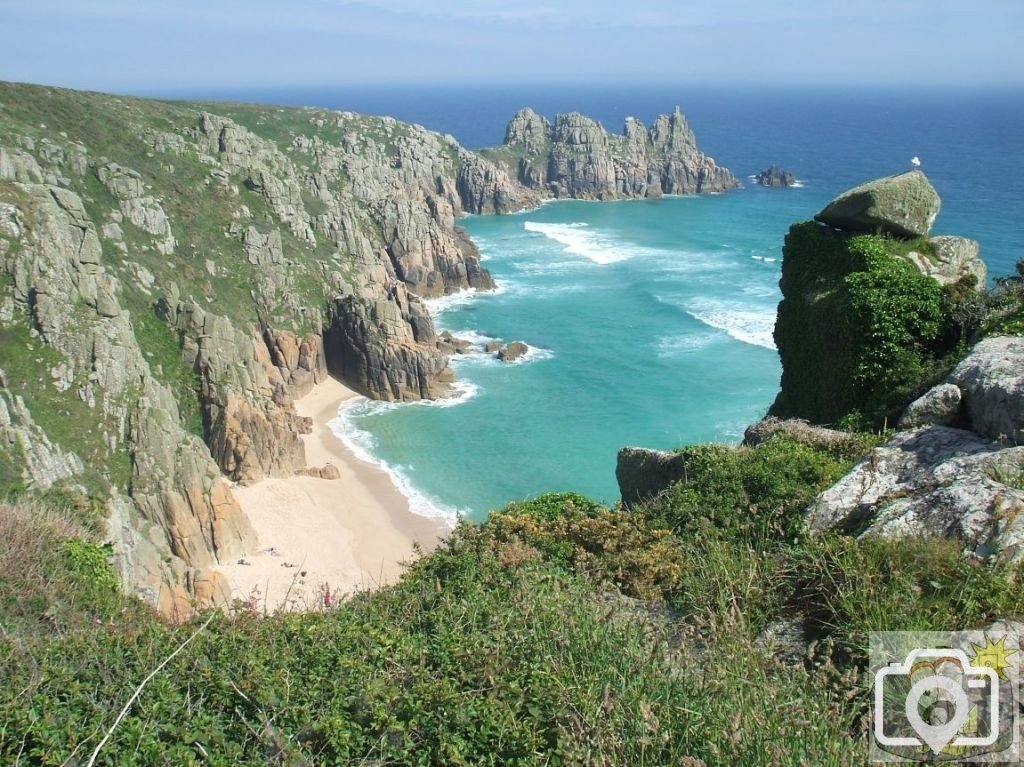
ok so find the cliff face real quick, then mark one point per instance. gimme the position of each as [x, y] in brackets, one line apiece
[575, 157]
[172, 277]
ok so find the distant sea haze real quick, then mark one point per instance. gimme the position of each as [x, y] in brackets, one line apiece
[651, 321]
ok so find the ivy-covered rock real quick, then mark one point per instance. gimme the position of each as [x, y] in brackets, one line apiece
[860, 329]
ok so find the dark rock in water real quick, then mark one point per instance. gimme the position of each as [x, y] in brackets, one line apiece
[774, 176]
[642, 473]
[904, 205]
[492, 347]
[513, 351]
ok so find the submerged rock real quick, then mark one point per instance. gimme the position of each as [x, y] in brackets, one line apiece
[904, 205]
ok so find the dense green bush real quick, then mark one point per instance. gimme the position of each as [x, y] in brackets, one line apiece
[754, 494]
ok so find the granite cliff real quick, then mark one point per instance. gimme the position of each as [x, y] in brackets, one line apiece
[173, 276]
[576, 157]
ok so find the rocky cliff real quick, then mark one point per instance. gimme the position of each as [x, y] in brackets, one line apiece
[576, 157]
[173, 276]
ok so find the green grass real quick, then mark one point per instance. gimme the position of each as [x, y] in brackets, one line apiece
[559, 632]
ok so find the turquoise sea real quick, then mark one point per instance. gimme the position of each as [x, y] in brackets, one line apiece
[650, 321]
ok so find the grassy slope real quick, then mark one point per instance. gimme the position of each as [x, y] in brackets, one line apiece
[560, 632]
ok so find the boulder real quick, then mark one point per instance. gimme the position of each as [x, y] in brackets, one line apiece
[992, 380]
[513, 351]
[952, 259]
[643, 474]
[939, 406]
[774, 176]
[904, 205]
[492, 347]
[934, 481]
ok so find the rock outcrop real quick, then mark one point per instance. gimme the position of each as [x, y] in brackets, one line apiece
[643, 473]
[837, 279]
[774, 176]
[991, 378]
[513, 351]
[575, 157]
[904, 205]
[933, 481]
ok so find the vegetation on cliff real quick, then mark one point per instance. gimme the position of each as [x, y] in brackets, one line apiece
[559, 632]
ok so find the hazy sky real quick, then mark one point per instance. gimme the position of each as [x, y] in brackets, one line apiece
[153, 44]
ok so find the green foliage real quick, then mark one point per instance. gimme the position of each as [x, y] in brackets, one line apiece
[860, 330]
[755, 494]
[1004, 307]
[848, 587]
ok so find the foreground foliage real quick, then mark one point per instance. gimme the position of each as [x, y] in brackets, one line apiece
[560, 632]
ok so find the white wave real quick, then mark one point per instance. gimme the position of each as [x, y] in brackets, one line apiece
[761, 291]
[362, 443]
[580, 241]
[798, 184]
[688, 343]
[441, 304]
[751, 326]
[770, 260]
[758, 258]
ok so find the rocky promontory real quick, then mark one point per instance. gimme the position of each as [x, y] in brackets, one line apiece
[576, 157]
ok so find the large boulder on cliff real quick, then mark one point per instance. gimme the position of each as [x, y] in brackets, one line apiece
[991, 378]
[933, 481]
[904, 205]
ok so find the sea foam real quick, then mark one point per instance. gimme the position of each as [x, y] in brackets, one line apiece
[362, 444]
[579, 240]
[746, 324]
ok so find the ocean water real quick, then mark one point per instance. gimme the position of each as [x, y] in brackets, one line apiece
[650, 322]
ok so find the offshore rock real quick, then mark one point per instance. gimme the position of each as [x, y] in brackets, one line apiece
[575, 157]
[774, 176]
[905, 205]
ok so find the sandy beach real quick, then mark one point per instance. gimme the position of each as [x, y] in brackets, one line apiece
[344, 534]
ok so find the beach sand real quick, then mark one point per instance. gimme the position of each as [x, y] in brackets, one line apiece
[345, 534]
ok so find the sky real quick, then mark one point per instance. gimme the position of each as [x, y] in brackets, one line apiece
[149, 45]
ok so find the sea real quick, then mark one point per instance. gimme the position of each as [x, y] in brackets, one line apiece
[650, 322]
